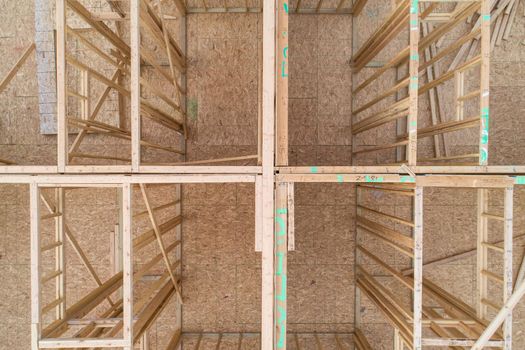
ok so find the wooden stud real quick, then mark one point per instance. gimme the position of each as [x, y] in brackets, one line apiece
[281, 257]
[62, 130]
[418, 268]
[36, 293]
[268, 119]
[135, 85]
[291, 216]
[281, 157]
[507, 263]
[258, 213]
[127, 268]
[484, 82]
[482, 236]
[413, 86]
[60, 264]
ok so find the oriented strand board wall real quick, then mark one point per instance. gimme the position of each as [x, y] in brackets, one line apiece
[321, 269]
[222, 102]
[320, 90]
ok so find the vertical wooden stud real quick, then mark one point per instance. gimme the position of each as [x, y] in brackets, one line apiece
[127, 266]
[282, 84]
[291, 216]
[281, 253]
[484, 83]
[418, 268]
[507, 263]
[413, 84]
[482, 207]
[268, 144]
[36, 315]
[258, 213]
[62, 132]
[135, 84]
[60, 292]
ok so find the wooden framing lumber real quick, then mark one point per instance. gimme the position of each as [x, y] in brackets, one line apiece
[36, 293]
[12, 72]
[158, 235]
[418, 268]
[268, 150]
[135, 85]
[281, 266]
[502, 315]
[282, 84]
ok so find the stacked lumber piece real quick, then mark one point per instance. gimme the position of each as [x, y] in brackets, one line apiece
[503, 14]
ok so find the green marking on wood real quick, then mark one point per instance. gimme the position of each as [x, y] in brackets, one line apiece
[193, 108]
[373, 178]
[520, 180]
[484, 125]
[281, 321]
[407, 179]
[282, 211]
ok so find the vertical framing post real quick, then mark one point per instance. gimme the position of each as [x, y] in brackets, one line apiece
[418, 267]
[291, 215]
[357, 262]
[258, 213]
[507, 264]
[484, 83]
[482, 252]
[62, 132]
[268, 143]
[135, 84]
[259, 102]
[413, 87]
[60, 253]
[84, 91]
[178, 251]
[127, 266]
[183, 76]
[281, 253]
[36, 315]
[282, 84]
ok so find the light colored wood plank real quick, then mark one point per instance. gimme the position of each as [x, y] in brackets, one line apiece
[135, 85]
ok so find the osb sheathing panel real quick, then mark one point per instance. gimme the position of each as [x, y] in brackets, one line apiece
[221, 271]
[223, 63]
[319, 90]
[323, 259]
[20, 139]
